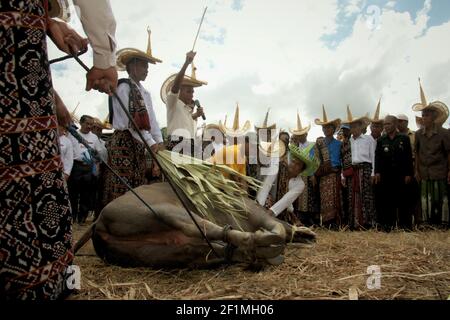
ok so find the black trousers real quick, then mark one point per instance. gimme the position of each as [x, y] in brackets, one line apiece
[394, 203]
[82, 191]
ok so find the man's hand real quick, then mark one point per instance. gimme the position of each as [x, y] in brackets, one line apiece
[161, 147]
[344, 184]
[373, 180]
[418, 177]
[408, 179]
[155, 148]
[103, 80]
[65, 38]
[377, 178]
[198, 114]
[190, 57]
[156, 171]
[66, 177]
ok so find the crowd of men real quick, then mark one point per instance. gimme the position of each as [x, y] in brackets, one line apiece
[52, 174]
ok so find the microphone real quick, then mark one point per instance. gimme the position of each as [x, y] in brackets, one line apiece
[197, 103]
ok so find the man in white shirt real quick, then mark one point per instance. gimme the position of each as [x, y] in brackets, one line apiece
[178, 94]
[362, 207]
[126, 150]
[303, 163]
[82, 180]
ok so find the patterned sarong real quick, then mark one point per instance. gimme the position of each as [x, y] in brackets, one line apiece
[35, 216]
[362, 206]
[126, 156]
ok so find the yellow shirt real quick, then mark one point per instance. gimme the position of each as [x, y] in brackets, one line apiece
[231, 156]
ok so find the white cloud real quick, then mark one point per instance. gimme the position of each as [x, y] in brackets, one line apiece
[272, 56]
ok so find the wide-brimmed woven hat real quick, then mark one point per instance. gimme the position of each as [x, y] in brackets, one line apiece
[126, 54]
[307, 156]
[438, 106]
[265, 123]
[324, 121]
[275, 149]
[187, 81]
[300, 130]
[236, 130]
[376, 117]
[350, 119]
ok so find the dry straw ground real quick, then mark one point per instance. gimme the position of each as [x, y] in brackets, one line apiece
[414, 265]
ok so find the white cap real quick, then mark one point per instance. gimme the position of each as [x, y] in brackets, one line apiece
[403, 117]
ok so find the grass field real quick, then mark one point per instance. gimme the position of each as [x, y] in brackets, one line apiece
[414, 265]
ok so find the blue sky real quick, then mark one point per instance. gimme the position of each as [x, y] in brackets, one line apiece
[439, 14]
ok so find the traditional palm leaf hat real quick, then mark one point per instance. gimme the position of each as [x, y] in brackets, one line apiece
[126, 54]
[300, 130]
[350, 119]
[187, 81]
[376, 118]
[265, 123]
[324, 121]
[236, 130]
[274, 149]
[307, 156]
[440, 107]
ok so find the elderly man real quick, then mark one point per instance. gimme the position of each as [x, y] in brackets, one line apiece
[394, 172]
[362, 206]
[433, 164]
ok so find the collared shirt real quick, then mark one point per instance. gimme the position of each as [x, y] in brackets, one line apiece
[67, 154]
[393, 156]
[432, 153]
[179, 118]
[121, 121]
[100, 26]
[363, 150]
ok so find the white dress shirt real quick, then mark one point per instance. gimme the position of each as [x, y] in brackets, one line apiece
[121, 121]
[67, 154]
[179, 118]
[99, 24]
[363, 150]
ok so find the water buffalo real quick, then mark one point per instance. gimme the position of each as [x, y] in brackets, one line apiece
[128, 234]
